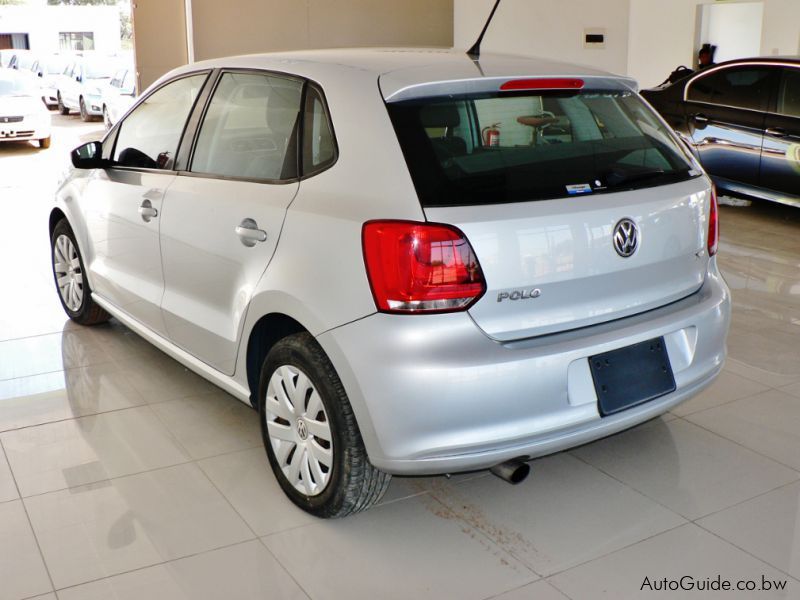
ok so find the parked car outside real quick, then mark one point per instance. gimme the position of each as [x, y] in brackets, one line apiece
[22, 60]
[742, 118]
[80, 85]
[49, 69]
[5, 57]
[335, 238]
[119, 95]
[22, 114]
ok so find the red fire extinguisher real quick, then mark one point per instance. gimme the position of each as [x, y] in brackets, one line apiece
[491, 135]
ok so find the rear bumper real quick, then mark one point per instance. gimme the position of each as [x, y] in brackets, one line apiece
[433, 394]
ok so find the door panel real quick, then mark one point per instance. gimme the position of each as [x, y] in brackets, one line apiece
[726, 114]
[222, 223]
[126, 269]
[780, 162]
[210, 273]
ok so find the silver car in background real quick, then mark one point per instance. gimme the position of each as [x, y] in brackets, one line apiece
[119, 95]
[409, 262]
[48, 69]
[80, 86]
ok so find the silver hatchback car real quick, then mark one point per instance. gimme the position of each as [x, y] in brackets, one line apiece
[409, 262]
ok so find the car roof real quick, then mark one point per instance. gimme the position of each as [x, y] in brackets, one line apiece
[400, 68]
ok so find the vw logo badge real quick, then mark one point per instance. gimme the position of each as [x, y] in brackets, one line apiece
[626, 238]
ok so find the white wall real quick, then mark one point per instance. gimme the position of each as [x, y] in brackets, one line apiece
[781, 28]
[734, 28]
[44, 23]
[548, 28]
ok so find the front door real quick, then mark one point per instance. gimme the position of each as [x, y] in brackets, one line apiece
[223, 218]
[124, 204]
[726, 110]
[780, 161]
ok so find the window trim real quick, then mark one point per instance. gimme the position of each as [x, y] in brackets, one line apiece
[302, 134]
[709, 71]
[777, 113]
[114, 131]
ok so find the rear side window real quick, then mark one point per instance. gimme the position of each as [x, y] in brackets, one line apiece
[495, 148]
[250, 128]
[319, 145]
[739, 87]
[149, 136]
[789, 96]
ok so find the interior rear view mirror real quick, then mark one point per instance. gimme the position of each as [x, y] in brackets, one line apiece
[89, 156]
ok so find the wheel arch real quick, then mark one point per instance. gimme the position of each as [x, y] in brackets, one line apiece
[267, 331]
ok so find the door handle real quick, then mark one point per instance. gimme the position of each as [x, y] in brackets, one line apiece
[700, 119]
[249, 233]
[776, 132]
[147, 211]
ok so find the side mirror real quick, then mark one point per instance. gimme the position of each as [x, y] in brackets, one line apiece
[78, 78]
[89, 156]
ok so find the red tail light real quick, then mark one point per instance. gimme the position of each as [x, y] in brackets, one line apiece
[713, 224]
[562, 83]
[420, 267]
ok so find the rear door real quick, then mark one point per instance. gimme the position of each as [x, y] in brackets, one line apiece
[780, 161]
[549, 202]
[224, 215]
[123, 205]
[726, 112]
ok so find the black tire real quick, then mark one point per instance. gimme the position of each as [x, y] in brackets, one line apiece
[44, 142]
[87, 313]
[61, 108]
[354, 484]
[85, 116]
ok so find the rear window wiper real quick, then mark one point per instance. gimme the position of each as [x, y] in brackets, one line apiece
[617, 176]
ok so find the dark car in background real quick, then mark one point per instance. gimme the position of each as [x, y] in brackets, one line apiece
[742, 118]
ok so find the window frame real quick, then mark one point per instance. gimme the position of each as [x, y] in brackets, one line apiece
[302, 134]
[199, 117]
[775, 65]
[774, 106]
[113, 134]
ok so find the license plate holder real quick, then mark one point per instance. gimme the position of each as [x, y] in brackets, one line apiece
[632, 375]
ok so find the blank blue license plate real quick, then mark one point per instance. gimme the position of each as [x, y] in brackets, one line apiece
[631, 376]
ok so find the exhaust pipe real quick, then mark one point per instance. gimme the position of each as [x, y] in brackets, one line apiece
[512, 471]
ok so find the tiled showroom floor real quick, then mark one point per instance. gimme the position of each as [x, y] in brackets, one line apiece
[123, 475]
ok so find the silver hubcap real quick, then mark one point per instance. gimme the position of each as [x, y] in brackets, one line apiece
[69, 276]
[299, 430]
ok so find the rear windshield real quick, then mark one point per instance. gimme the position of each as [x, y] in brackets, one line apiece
[495, 148]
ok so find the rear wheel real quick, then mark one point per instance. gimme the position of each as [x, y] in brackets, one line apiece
[69, 274]
[44, 142]
[85, 116]
[61, 108]
[310, 432]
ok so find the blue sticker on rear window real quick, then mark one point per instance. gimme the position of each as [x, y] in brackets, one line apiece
[581, 188]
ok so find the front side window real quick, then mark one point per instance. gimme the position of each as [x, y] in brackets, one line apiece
[319, 146]
[789, 94]
[249, 128]
[739, 87]
[149, 136]
[493, 148]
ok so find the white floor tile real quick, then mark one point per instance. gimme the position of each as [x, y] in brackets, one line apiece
[8, 489]
[89, 449]
[565, 513]
[108, 528]
[769, 423]
[245, 571]
[211, 424]
[767, 527]
[413, 548]
[684, 467]
[538, 590]
[684, 552]
[22, 572]
[728, 387]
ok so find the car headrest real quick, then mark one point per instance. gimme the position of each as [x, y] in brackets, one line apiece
[440, 115]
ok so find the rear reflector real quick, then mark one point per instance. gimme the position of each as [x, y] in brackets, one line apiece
[713, 224]
[517, 85]
[420, 267]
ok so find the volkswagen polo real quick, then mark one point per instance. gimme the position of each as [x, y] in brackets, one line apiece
[409, 262]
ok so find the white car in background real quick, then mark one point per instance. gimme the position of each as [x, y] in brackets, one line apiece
[48, 70]
[337, 239]
[22, 114]
[80, 86]
[119, 95]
